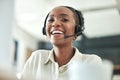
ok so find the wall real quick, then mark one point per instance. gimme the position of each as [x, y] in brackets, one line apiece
[6, 16]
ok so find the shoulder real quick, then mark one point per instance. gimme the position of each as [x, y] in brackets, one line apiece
[37, 57]
[39, 54]
[91, 58]
[87, 58]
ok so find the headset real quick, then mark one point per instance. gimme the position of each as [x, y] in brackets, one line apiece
[79, 24]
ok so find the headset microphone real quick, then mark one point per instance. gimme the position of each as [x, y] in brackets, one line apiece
[68, 36]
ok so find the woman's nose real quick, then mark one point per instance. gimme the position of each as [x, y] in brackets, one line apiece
[56, 23]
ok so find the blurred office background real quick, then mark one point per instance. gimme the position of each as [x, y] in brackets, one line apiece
[21, 23]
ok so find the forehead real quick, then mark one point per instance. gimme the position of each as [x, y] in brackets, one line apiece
[61, 10]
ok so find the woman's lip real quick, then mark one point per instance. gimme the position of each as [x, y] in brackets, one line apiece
[57, 35]
[56, 32]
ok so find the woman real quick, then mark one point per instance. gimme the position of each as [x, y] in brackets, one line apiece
[62, 26]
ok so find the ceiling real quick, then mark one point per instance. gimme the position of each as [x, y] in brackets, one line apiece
[101, 16]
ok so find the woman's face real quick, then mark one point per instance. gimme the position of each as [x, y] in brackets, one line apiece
[60, 23]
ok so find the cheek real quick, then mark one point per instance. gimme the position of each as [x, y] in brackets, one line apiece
[72, 25]
[72, 29]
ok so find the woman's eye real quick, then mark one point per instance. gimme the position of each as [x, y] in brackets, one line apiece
[50, 20]
[64, 20]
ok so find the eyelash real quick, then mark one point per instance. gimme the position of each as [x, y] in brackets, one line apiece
[50, 20]
[62, 19]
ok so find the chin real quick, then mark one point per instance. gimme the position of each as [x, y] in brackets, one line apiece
[57, 43]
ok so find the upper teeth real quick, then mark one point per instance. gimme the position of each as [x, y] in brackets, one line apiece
[57, 32]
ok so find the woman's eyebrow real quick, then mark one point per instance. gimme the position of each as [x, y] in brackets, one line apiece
[62, 14]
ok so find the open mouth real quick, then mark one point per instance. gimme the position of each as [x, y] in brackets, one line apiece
[56, 32]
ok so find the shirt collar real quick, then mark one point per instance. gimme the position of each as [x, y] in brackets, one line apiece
[50, 57]
[77, 56]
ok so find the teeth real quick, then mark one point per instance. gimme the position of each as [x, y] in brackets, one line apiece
[57, 32]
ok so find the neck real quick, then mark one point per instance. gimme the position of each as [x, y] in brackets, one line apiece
[62, 55]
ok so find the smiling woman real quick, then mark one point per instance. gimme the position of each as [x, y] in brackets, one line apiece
[62, 26]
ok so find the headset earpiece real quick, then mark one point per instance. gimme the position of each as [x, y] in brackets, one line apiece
[80, 24]
[78, 30]
[43, 30]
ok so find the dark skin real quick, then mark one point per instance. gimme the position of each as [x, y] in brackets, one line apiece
[61, 21]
